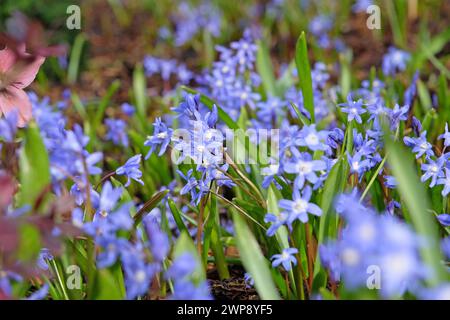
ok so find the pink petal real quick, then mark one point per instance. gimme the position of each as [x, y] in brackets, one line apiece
[24, 72]
[13, 98]
[7, 59]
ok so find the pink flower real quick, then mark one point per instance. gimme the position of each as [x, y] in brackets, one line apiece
[17, 73]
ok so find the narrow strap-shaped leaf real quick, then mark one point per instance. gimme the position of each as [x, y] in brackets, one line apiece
[304, 74]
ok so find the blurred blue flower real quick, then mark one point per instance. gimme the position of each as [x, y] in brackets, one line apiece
[131, 170]
[395, 60]
[128, 109]
[117, 132]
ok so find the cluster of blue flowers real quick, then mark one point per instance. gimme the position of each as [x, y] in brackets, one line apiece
[199, 142]
[190, 21]
[166, 68]
[142, 257]
[380, 244]
[232, 81]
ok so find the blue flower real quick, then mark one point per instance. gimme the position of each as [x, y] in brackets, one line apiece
[320, 25]
[183, 266]
[112, 248]
[441, 292]
[398, 114]
[276, 222]
[138, 274]
[390, 182]
[161, 137]
[158, 240]
[444, 219]
[249, 281]
[270, 110]
[245, 53]
[433, 170]
[299, 206]
[128, 109]
[44, 256]
[39, 294]
[151, 65]
[419, 145]
[377, 110]
[286, 258]
[186, 290]
[313, 139]
[445, 245]
[361, 5]
[395, 60]
[445, 136]
[305, 168]
[357, 165]
[329, 256]
[353, 108]
[117, 132]
[131, 170]
[109, 198]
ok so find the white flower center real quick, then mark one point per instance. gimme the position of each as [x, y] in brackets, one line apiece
[273, 168]
[355, 165]
[397, 57]
[244, 96]
[312, 139]
[354, 110]
[285, 255]
[304, 167]
[162, 135]
[300, 206]
[424, 146]
[434, 168]
[208, 135]
[367, 232]
[350, 257]
[140, 276]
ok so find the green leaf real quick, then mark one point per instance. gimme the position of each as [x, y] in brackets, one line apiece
[304, 74]
[107, 287]
[75, 59]
[100, 111]
[417, 204]
[328, 221]
[303, 120]
[30, 243]
[177, 216]
[253, 260]
[140, 94]
[264, 68]
[34, 167]
[212, 236]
